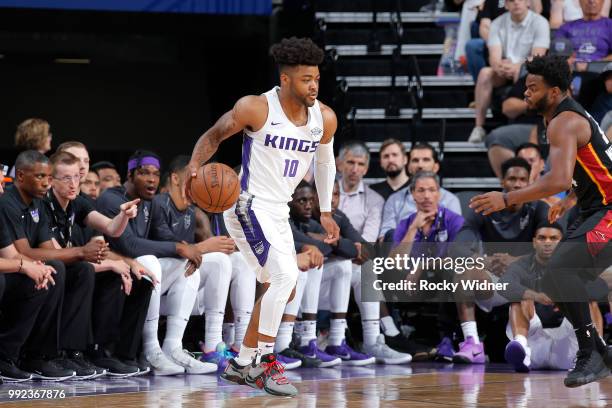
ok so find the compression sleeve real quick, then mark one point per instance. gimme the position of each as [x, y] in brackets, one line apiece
[324, 174]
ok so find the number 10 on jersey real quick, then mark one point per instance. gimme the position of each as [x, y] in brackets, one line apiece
[290, 168]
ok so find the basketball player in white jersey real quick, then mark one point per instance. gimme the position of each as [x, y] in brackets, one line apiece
[283, 130]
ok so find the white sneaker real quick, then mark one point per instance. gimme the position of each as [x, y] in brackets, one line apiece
[191, 365]
[478, 135]
[385, 354]
[162, 365]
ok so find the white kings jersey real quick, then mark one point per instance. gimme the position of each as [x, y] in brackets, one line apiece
[277, 156]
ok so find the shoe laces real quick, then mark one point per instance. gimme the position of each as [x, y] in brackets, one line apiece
[187, 357]
[275, 370]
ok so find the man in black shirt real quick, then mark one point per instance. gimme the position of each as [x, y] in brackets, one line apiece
[393, 161]
[90, 299]
[180, 283]
[540, 336]
[25, 225]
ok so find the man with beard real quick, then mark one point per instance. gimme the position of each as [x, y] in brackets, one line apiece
[393, 161]
[579, 157]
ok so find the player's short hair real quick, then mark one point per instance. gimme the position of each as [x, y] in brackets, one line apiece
[31, 133]
[546, 224]
[142, 158]
[426, 146]
[391, 141]
[554, 69]
[420, 175]
[356, 148]
[178, 164]
[27, 159]
[296, 51]
[72, 143]
[62, 157]
[102, 165]
[528, 145]
[515, 162]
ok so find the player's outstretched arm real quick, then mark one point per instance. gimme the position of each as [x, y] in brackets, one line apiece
[563, 134]
[325, 173]
[249, 112]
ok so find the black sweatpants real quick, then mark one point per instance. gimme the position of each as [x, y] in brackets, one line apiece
[43, 339]
[75, 328]
[578, 259]
[118, 319]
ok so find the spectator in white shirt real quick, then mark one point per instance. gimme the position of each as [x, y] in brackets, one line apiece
[514, 36]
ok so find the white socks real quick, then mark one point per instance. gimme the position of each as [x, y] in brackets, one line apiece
[371, 330]
[241, 322]
[246, 355]
[388, 326]
[521, 339]
[149, 336]
[213, 335]
[307, 329]
[283, 337]
[336, 331]
[470, 329]
[175, 328]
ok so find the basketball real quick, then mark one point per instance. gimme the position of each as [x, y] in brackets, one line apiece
[215, 188]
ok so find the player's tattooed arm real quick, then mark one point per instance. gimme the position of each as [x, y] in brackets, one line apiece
[249, 112]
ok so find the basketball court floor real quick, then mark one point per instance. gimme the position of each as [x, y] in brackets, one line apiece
[420, 385]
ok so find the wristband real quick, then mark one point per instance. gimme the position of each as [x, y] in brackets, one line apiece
[505, 197]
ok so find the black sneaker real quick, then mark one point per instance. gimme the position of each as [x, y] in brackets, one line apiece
[10, 373]
[589, 367]
[418, 351]
[79, 359]
[307, 362]
[82, 372]
[143, 365]
[114, 367]
[45, 369]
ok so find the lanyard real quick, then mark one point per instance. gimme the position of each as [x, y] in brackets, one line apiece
[69, 220]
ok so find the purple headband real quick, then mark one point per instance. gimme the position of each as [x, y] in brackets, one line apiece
[143, 161]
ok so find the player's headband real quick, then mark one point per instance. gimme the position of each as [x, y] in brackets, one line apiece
[143, 161]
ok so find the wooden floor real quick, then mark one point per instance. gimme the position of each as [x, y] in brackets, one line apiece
[423, 386]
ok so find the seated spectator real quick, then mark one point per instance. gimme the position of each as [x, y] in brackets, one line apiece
[107, 172]
[517, 224]
[514, 36]
[174, 220]
[564, 11]
[422, 157]
[540, 337]
[393, 161]
[83, 307]
[525, 126]
[91, 185]
[359, 202]
[431, 223]
[33, 134]
[172, 263]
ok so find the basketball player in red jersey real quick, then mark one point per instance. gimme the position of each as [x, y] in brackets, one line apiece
[581, 159]
[283, 129]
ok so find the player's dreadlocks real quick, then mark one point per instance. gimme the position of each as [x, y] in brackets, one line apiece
[296, 51]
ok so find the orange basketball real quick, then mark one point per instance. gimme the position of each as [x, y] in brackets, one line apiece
[215, 188]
